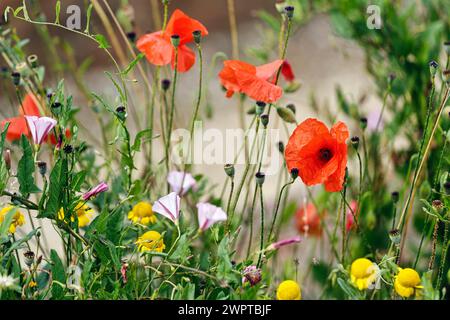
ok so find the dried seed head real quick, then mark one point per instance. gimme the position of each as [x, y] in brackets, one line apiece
[165, 84]
[260, 106]
[29, 258]
[395, 236]
[437, 205]
[16, 78]
[355, 142]
[265, 120]
[197, 34]
[294, 173]
[260, 178]
[289, 10]
[33, 61]
[175, 40]
[229, 170]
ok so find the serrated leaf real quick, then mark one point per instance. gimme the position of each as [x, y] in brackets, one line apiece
[25, 169]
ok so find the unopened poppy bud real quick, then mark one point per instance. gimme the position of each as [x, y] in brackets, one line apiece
[121, 113]
[29, 258]
[438, 206]
[165, 84]
[197, 34]
[395, 196]
[447, 47]
[265, 120]
[131, 36]
[286, 114]
[294, 173]
[229, 170]
[260, 107]
[68, 149]
[363, 123]
[16, 78]
[289, 10]
[433, 68]
[4, 71]
[33, 61]
[7, 158]
[355, 142]
[175, 40]
[292, 108]
[281, 147]
[395, 236]
[42, 166]
[260, 178]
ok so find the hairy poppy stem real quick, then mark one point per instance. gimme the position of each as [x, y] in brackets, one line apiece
[275, 214]
[261, 245]
[443, 256]
[252, 210]
[233, 29]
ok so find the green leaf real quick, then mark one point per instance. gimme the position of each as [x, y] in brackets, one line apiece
[139, 137]
[133, 64]
[58, 275]
[88, 18]
[182, 249]
[57, 11]
[102, 42]
[17, 245]
[25, 170]
[58, 182]
[114, 226]
[3, 170]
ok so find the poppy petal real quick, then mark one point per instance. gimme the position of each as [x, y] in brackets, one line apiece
[287, 72]
[231, 72]
[17, 127]
[183, 26]
[266, 71]
[260, 90]
[335, 182]
[340, 132]
[29, 106]
[186, 58]
[156, 48]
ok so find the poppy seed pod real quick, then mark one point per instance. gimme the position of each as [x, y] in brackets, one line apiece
[229, 170]
[131, 36]
[260, 106]
[175, 40]
[68, 149]
[260, 178]
[433, 67]
[33, 61]
[197, 34]
[42, 166]
[16, 78]
[289, 10]
[7, 158]
[281, 147]
[165, 84]
[56, 105]
[355, 142]
[294, 173]
[395, 236]
[29, 258]
[121, 113]
[265, 120]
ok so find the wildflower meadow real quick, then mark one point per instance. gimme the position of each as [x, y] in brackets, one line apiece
[179, 156]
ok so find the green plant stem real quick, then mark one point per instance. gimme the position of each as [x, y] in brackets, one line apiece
[277, 207]
[443, 256]
[251, 215]
[261, 245]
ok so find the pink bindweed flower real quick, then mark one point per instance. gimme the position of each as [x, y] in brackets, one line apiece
[180, 182]
[282, 243]
[40, 127]
[168, 206]
[209, 214]
[102, 187]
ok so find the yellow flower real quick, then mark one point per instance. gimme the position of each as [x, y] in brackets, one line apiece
[363, 273]
[151, 241]
[289, 290]
[142, 213]
[32, 284]
[17, 221]
[83, 212]
[406, 282]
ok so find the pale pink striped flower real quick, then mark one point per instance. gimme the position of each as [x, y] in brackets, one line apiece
[102, 187]
[180, 182]
[168, 206]
[209, 214]
[40, 127]
[282, 243]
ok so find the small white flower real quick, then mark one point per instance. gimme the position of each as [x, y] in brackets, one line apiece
[209, 214]
[180, 182]
[7, 282]
[168, 206]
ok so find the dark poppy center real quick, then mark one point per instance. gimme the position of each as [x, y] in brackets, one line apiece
[325, 154]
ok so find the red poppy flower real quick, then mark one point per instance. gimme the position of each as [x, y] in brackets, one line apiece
[241, 77]
[287, 72]
[308, 220]
[158, 48]
[319, 154]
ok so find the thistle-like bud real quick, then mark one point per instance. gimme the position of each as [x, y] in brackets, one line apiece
[29, 258]
[7, 158]
[355, 142]
[260, 178]
[175, 40]
[395, 236]
[438, 206]
[42, 166]
[260, 107]
[16, 78]
[289, 10]
[433, 68]
[197, 34]
[165, 84]
[395, 196]
[265, 120]
[229, 170]
[292, 107]
[294, 173]
[33, 61]
[363, 123]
